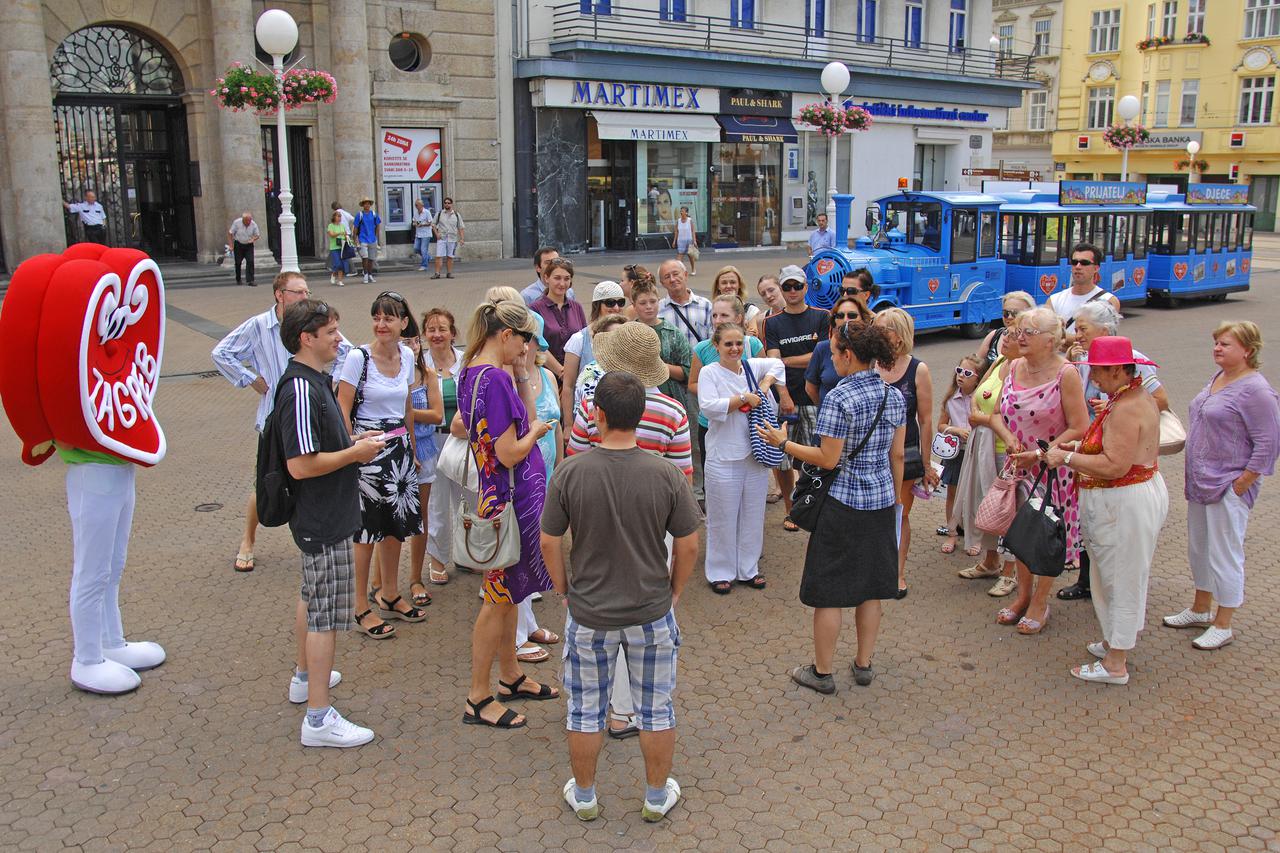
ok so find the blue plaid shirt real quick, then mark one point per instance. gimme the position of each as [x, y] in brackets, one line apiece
[865, 482]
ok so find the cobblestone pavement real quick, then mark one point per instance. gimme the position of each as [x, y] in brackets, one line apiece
[971, 736]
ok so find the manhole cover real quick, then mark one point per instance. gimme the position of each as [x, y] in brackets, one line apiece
[208, 507]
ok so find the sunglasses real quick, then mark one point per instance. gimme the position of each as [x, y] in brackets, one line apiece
[1027, 333]
[1081, 262]
[319, 311]
[850, 291]
[629, 267]
[528, 336]
[391, 294]
[846, 315]
[965, 372]
[614, 303]
[1009, 315]
[793, 286]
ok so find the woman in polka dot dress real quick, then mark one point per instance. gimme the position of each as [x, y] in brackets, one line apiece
[1042, 398]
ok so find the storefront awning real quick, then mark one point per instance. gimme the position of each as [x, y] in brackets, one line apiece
[757, 129]
[657, 127]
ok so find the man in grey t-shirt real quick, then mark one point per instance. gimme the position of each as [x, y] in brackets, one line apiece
[621, 501]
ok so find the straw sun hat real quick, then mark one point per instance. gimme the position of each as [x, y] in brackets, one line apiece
[635, 348]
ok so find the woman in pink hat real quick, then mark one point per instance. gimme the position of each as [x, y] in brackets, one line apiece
[1123, 502]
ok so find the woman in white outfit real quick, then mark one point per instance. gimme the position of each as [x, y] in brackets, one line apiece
[685, 237]
[439, 331]
[736, 483]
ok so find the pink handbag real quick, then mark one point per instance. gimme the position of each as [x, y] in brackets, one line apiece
[1000, 504]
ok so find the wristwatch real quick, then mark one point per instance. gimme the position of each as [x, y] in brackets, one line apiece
[1066, 460]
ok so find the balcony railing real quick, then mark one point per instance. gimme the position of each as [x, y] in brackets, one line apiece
[630, 25]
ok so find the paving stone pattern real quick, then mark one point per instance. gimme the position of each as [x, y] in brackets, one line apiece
[971, 737]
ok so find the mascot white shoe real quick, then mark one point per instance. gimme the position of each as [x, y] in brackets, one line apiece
[81, 335]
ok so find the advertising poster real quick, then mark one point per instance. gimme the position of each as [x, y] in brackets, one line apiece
[411, 154]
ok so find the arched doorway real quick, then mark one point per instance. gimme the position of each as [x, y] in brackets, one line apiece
[122, 132]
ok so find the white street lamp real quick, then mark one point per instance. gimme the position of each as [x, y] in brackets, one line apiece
[277, 33]
[835, 79]
[1193, 148]
[1127, 109]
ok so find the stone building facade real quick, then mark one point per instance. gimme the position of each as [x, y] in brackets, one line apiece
[113, 95]
[1031, 27]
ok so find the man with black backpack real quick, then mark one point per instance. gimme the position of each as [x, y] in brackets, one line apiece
[321, 461]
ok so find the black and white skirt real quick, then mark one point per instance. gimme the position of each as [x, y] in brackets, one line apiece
[388, 489]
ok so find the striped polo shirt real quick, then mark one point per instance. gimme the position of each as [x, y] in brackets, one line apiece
[663, 429]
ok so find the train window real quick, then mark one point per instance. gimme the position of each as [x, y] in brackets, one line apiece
[1248, 232]
[1077, 231]
[1199, 239]
[1180, 233]
[1120, 223]
[989, 234]
[1050, 239]
[1224, 231]
[964, 236]
[1011, 237]
[1140, 225]
[1098, 230]
[1237, 227]
[1213, 223]
[923, 222]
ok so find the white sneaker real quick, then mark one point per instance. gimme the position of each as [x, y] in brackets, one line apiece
[1004, 586]
[137, 656]
[373, 279]
[333, 279]
[653, 813]
[1189, 619]
[107, 677]
[1214, 638]
[336, 731]
[585, 810]
[367, 278]
[298, 688]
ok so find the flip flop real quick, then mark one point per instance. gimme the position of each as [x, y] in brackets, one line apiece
[439, 577]
[532, 654]
[548, 638]
[1098, 673]
[419, 599]
[243, 563]
[721, 587]
[757, 582]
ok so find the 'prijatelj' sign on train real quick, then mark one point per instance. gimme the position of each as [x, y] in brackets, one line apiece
[1101, 192]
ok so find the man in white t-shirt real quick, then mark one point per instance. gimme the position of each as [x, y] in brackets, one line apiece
[1086, 271]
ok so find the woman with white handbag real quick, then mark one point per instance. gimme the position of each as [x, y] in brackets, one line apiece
[501, 535]
[439, 331]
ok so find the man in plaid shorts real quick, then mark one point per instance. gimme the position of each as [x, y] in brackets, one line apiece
[322, 460]
[621, 501]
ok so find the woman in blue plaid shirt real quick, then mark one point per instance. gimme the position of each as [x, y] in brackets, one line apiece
[852, 560]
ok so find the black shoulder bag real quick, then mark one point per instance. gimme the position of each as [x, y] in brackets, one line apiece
[1038, 536]
[810, 494]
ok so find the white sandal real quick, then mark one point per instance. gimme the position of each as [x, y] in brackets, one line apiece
[1098, 673]
[1098, 650]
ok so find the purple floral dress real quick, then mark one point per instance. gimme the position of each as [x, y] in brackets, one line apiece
[1037, 413]
[496, 408]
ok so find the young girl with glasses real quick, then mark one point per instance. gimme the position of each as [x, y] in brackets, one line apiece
[953, 419]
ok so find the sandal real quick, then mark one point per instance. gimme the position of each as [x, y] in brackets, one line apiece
[373, 596]
[949, 548]
[771, 498]
[545, 691]
[506, 721]
[1027, 627]
[973, 551]
[1002, 587]
[943, 531]
[378, 632]
[1075, 592]
[789, 525]
[389, 611]
[243, 563]
[1097, 672]
[977, 571]
[419, 599]
[757, 582]
[439, 577]
[721, 587]
[548, 638]
[627, 731]
[532, 653]
[1009, 616]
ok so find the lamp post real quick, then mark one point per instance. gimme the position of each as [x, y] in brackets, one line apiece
[277, 33]
[1127, 109]
[1193, 148]
[835, 79]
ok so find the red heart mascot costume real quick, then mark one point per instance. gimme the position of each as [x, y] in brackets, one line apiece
[81, 335]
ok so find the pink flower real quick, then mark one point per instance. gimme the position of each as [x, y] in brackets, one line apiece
[244, 89]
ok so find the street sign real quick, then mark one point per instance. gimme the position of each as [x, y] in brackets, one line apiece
[1002, 174]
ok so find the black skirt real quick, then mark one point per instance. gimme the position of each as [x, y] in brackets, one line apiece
[951, 469]
[852, 557]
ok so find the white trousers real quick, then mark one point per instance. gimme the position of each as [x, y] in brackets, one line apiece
[1215, 547]
[441, 506]
[736, 494]
[1120, 527]
[100, 502]
[526, 622]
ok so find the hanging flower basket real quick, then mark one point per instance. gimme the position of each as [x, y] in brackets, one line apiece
[243, 88]
[1153, 42]
[308, 86]
[1197, 165]
[856, 118]
[827, 117]
[1121, 137]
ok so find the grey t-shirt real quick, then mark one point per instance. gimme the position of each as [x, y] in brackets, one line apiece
[621, 504]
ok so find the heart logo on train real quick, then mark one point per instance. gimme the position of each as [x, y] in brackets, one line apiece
[87, 330]
[1138, 275]
[428, 159]
[1180, 270]
[1244, 264]
[1048, 283]
[824, 266]
[934, 284]
[1215, 266]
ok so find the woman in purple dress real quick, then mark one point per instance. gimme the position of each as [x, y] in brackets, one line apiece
[495, 412]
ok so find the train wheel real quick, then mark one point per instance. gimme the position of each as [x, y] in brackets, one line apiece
[1218, 297]
[974, 331]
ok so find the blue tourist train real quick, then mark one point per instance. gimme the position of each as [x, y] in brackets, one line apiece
[949, 257]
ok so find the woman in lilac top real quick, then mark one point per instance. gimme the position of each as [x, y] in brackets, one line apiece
[562, 316]
[1233, 439]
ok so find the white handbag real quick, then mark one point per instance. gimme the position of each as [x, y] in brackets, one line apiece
[454, 463]
[1173, 436]
[484, 544]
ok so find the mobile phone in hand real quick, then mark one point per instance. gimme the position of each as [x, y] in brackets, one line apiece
[395, 433]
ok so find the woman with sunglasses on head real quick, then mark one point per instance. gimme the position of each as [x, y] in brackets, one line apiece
[1013, 304]
[821, 376]
[606, 300]
[439, 331]
[494, 413]
[373, 391]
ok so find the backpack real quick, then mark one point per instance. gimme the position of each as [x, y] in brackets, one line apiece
[273, 487]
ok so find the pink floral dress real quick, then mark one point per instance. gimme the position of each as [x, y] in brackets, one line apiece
[1037, 413]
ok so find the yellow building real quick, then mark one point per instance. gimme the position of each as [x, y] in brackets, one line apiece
[1203, 72]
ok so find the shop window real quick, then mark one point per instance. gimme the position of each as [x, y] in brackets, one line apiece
[677, 173]
[989, 234]
[964, 236]
[410, 52]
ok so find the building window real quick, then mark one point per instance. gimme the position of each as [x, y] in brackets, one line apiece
[675, 10]
[1190, 96]
[867, 20]
[742, 14]
[1151, 20]
[1102, 103]
[958, 29]
[818, 24]
[1195, 16]
[1104, 31]
[1006, 40]
[1256, 94]
[913, 27]
[1043, 29]
[1261, 18]
[410, 52]
[1169, 19]
[1162, 103]
[595, 7]
[1037, 109]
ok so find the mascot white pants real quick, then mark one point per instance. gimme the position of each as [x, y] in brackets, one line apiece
[100, 500]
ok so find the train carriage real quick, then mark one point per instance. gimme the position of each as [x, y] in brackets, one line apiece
[1201, 242]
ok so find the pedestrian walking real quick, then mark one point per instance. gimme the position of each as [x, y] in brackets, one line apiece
[684, 239]
[422, 221]
[347, 221]
[92, 215]
[339, 238]
[367, 227]
[242, 235]
[451, 234]
[254, 356]
[621, 503]
[322, 460]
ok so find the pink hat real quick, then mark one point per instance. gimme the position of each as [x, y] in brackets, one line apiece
[1109, 351]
